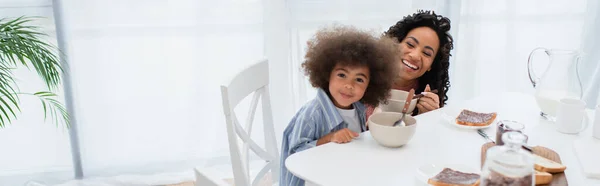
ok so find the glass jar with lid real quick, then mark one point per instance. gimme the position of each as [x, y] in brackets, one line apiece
[509, 164]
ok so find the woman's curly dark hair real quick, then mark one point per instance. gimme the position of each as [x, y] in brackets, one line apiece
[437, 77]
[349, 46]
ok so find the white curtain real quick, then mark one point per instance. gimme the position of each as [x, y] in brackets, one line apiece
[591, 45]
[496, 37]
[146, 73]
[147, 76]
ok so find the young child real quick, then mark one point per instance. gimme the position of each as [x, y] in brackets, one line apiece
[349, 68]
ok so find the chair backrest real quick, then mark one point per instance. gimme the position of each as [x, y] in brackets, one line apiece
[254, 79]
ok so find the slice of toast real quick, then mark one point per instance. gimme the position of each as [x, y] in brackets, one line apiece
[472, 118]
[449, 177]
[545, 165]
[542, 178]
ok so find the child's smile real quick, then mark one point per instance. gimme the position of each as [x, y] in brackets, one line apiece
[346, 96]
[347, 85]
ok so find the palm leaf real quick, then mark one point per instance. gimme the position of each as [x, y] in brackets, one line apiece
[21, 45]
[49, 101]
[9, 99]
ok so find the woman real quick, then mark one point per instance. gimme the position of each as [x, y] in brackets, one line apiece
[425, 45]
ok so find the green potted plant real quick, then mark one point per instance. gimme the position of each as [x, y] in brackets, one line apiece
[22, 46]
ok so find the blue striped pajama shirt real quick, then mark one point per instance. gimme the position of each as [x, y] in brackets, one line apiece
[314, 120]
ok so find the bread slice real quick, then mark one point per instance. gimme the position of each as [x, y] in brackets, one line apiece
[449, 177]
[542, 178]
[545, 165]
[471, 118]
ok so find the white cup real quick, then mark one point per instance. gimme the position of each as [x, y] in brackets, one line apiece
[596, 131]
[569, 116]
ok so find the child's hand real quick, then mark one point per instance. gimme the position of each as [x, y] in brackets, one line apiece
[343, 136]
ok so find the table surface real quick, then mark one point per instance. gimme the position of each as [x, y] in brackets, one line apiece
[436, 141]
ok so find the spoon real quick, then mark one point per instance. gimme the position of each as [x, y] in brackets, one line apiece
[406, 104]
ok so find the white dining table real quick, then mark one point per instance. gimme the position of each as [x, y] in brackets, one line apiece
[364, 162]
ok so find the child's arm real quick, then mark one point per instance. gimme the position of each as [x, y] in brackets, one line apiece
[303, 136]
[325, 139]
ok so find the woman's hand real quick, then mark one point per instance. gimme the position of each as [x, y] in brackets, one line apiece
[429, 102]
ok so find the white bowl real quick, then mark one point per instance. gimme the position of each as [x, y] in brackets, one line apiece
[396, 102]
[380, 126]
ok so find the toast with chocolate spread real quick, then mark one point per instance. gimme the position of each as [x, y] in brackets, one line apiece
[472, 118]
[449, 177]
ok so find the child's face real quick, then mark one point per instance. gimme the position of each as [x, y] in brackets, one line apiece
[348, 84]
[418, 49]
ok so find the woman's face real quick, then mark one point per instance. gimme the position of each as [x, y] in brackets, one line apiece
[418, 49]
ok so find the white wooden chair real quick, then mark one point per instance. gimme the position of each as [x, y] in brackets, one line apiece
[252, 80]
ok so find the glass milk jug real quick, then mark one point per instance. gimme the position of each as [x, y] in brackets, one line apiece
[509, 164]
[559, 80]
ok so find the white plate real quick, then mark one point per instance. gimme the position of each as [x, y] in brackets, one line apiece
[430, 170]
[450, 113]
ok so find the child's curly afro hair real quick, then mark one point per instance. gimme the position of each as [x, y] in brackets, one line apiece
[349, 46]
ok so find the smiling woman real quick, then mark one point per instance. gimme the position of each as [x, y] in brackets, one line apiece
[418, 50]
[425, 45]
